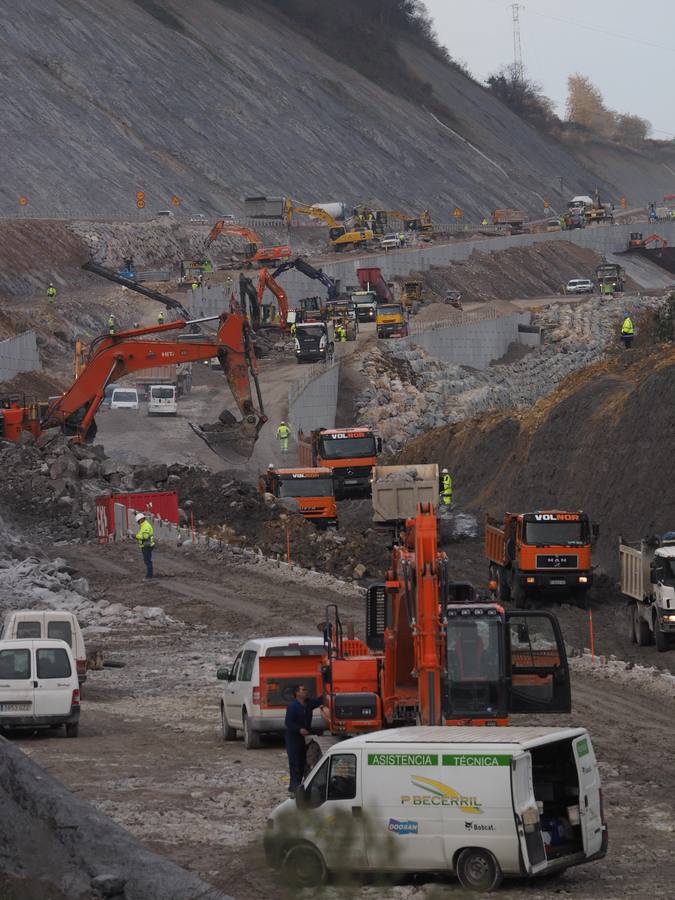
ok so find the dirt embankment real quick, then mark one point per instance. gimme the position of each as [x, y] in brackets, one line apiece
[602, 442]
[513, 274]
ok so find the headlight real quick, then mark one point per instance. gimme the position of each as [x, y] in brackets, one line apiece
[583, 579]
[669, 618]
[530, 580]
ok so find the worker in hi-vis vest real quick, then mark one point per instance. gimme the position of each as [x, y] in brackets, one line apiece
[627, 331]
[283, 434]
[446, 488]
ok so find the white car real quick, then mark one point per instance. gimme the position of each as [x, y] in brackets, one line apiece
[162, 400]
[165, 214]
[54, 624]
[392, 241]
[124, 398]
[259, 685]
[38, 685]
[198, 219]
[579, 286]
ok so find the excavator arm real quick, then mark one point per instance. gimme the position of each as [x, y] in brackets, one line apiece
[313, 212]
[132, 285]
[265, 280]
[233, 230]
[317, 274]
[113, 356]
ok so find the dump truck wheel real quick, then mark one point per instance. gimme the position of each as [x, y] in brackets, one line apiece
[643, 635]
[478, 870]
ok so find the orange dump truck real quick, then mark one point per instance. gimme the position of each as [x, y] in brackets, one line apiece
[546, 554]
[311, 488]
[351, 453]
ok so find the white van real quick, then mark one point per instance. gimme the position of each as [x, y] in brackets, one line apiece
[53, 623]
[579, 286]
[259, 685]
[124, 398]
[38, 686]
[481, 802]
[162, 400]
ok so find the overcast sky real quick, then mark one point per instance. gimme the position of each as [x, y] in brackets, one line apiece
[625, 47]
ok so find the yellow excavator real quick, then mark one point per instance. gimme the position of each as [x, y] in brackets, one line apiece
[380, 219]
[340, 236]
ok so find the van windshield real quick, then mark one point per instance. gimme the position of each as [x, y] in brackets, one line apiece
[125, 397]
[306, 487]
[162, 393]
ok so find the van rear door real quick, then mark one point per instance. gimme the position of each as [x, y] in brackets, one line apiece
[527, 815]
[16, 684]
[54, 683]
[590, 809]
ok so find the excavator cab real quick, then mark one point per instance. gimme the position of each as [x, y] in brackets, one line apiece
[500, 662]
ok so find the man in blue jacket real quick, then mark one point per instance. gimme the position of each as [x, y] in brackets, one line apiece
[298, 724]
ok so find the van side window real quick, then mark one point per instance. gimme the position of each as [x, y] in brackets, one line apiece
[14, 664]
[60, 631]
[246, 668]
[315, 793]
[342, 781]
[29, 630]
[53, 662]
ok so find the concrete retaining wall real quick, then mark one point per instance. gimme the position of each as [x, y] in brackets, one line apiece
[312, 402]
[19, 354]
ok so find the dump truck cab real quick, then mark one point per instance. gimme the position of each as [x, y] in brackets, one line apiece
[545, 553]
[312, 488]
[391, 321]
[350, 453]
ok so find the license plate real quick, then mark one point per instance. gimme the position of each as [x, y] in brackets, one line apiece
[351, 481]
[15, 707]
[557, 581]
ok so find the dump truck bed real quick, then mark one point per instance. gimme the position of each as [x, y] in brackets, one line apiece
[396, 496]
[634, 570]
[494, 543]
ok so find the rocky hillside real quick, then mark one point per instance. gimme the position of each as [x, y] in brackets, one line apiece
[221, 99]
[601, 442]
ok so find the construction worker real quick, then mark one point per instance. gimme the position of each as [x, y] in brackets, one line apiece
[446, 488]
[111, 324]
[340, 332]
[283, 434]
[293, 329]
[194, 285]
[160, 318]
[485, 221]
[627, 331]
[51, 292]
[298, 725]
[145, 537]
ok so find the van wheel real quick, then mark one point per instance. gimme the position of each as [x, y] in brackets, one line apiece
[303, 866]
[229, 733]
[660, 637]
[251, 738]
[72, 729]
[641, 629]
[478, 870]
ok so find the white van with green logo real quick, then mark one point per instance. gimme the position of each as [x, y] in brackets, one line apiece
[484, 803]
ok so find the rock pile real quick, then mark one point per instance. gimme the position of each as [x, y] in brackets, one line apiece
[410, 392]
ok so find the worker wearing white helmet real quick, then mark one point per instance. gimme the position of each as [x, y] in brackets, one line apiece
[446, 488]
[145, 537]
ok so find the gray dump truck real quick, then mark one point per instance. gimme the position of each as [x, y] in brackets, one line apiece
[648, 580]
[398, 490]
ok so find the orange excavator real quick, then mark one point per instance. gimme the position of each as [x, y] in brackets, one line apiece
[253, 251]
[436, 655]
[266, 280]
[113, 356]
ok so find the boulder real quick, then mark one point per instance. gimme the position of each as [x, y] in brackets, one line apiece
[360, 571]
[115, 467]
[66, 466]
[154, 474]
[89, 468]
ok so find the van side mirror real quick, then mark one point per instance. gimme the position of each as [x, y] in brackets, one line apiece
[300, 797]
[223, 673]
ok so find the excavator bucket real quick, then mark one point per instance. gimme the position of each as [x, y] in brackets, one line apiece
[228, 438]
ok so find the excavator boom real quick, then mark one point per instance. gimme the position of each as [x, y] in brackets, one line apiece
[132, 285]
[113, 356]
[266, 280]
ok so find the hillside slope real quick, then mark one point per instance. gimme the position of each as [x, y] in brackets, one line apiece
[213, 102]
[602, 442]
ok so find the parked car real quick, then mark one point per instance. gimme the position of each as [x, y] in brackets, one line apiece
[165, 214]
[227, 217]
[259, 685]
[198, 219]
[162, 400]
[392, 241]
[484, 803]
[54, 624]
[38, 685]
[579, 286]
[124, 398]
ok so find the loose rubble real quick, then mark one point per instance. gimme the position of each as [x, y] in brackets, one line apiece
[410, 392]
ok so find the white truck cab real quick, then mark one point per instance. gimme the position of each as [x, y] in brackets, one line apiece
[38, 685]
[648, 580]
[481, 802]
[162, 400]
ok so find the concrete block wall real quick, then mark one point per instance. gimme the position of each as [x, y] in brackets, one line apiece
[312, 402]
[19, 354]
[471, 343]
